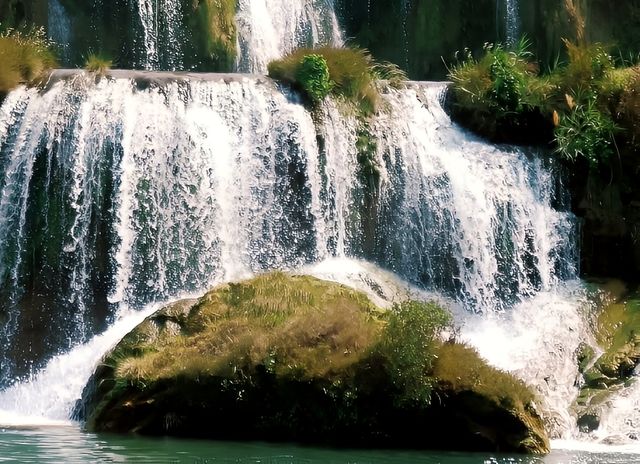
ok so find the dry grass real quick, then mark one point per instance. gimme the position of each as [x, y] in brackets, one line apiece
[25, 56]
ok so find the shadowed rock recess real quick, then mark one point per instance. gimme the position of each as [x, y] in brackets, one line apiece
[283, 357]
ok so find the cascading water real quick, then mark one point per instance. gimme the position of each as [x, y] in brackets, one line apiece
[145, 186]
[160, 22]
[59, 27]
[268, 29]
[509, 10]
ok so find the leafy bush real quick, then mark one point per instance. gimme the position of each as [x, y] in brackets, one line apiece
[409, 345]
[25, 55]
[498, 82]
[587, 67]
[313, 77]
[586, 132]
[353, 73]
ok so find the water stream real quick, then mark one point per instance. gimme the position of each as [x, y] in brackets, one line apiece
[143, 187]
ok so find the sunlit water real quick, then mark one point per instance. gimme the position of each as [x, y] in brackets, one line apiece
[71, 445]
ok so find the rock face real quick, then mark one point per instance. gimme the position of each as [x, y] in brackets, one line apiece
[295, 358]
[617, 332]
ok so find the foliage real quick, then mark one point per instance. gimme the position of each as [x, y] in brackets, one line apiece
[586, 132]
[313, 77]
[26, 55]
[628, 108]
[498, 82]
[354, 75]
[588, 65]
[587, 100]
[98, 63]
[409, 345]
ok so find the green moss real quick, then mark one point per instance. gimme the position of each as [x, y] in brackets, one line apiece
[462, 368]
[288, 323]
[618, 332]
[215, 31]
[367, 147]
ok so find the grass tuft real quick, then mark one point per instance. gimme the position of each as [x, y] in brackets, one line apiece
[98, 63]
[216, 23]
[25, 57]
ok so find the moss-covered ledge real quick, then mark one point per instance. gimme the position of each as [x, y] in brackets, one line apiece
[294, 358]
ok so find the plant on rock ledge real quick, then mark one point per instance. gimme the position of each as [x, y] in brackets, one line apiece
[98, 63]
[498, 82]
[354, 76]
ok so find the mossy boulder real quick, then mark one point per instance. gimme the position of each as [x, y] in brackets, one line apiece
[283, 357]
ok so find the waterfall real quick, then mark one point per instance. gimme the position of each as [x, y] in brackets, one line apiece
[59, 27]
[144, 186]
[160, 22]
[268, 29]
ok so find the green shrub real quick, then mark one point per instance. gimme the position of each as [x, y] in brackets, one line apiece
[353, 73]
[408, 346]
[587, 67]
[498, 82]
[586, 132]
[25, 56]
[313, 77]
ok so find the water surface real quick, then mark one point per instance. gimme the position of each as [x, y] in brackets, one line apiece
[69, 444]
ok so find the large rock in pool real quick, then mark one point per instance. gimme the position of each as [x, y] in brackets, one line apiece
[295, 358]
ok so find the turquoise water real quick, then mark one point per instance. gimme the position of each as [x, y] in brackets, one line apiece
[70, 445]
